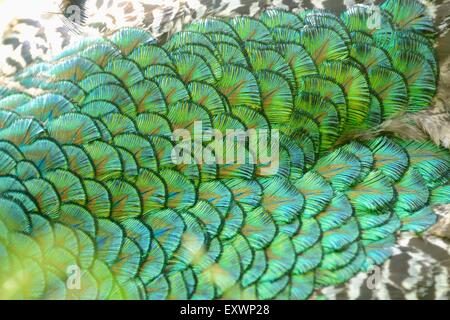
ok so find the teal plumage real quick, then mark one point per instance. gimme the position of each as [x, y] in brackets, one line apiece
[89, 183]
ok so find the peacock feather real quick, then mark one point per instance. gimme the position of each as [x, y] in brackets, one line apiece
[89, 189]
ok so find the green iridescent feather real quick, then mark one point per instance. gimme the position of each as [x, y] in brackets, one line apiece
[88, 184]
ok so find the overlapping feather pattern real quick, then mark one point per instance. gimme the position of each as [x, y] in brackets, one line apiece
[87, 182]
